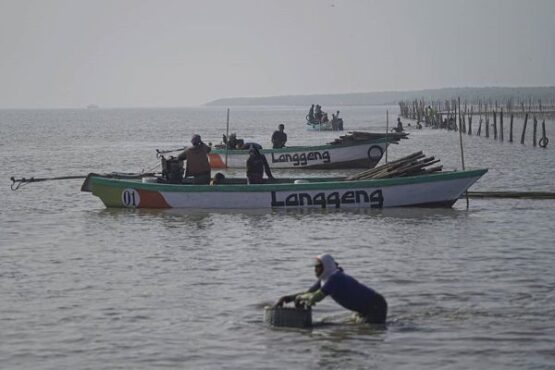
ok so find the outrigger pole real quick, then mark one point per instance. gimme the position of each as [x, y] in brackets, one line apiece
[17, 183]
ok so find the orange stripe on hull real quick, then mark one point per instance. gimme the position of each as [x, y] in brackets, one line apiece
[152, 199]
[216, 160]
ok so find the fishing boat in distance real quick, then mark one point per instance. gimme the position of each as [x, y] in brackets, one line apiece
[405, 183]
[317, 120]
[355, 150]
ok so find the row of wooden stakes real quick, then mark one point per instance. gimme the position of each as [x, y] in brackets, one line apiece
[412, 165]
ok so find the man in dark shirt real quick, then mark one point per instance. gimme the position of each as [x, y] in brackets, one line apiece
[279, 138]
[257, 164]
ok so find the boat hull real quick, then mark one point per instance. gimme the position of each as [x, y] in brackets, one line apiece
[364, 154]
[433, 190]
[320, 127]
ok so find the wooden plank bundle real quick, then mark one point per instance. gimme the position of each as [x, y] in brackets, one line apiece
[412, 165]
[393, 137]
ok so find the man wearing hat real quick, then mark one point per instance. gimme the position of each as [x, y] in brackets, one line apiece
[197, 161]
[369, 305]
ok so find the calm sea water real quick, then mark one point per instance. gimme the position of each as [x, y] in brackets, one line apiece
[84, 287]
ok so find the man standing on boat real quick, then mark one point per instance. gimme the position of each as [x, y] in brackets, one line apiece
[310, 116]
[369, 305]
[257, 164]
[279, 137]
[197, 161]
[399, 127]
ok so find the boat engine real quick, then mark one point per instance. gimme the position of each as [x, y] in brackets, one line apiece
[172, 170]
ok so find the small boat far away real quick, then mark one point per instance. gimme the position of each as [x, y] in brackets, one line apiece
[318, 120]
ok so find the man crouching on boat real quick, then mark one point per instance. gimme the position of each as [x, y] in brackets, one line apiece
[369, 305]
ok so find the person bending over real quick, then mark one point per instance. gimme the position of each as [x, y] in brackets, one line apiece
[369, 305]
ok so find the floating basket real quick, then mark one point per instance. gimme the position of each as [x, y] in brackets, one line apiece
[288, 317]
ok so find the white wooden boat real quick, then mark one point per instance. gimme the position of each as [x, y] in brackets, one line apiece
[350, 154]
[441, 189]
[324, 126]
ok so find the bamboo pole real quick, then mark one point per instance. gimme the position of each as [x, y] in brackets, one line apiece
[386, 132]
[511, 129]
[479, 131]
[534, 139]
[524, 128]
[470, 122]
[462, 154]
[460, 117]
[501, 125]
[495, 124]
[227, 137]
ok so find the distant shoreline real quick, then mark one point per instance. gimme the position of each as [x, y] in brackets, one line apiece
[394, 97]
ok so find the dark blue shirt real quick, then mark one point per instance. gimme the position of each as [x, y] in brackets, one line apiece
[347, 292]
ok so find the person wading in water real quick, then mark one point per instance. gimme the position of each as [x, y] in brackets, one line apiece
[370, 306]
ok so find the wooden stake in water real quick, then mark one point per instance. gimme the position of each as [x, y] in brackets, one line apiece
[534, 140]
[462, 153]
[501, 136]
[386, 132]
[524, 128]
[495, 125]
[511, 129]
[227, 137]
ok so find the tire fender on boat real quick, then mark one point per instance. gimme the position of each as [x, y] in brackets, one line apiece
[375, 153]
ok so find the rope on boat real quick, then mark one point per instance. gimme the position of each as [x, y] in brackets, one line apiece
[152, 168]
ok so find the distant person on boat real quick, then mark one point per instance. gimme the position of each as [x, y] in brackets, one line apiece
[318, 113]
[399, 127]
[279, 137]
[369, 306]
[257, 164]
[336, 122]
[197, 165]
[310, 117]
[231, 142]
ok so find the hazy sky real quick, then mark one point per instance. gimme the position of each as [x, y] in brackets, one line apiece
[170, 53]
